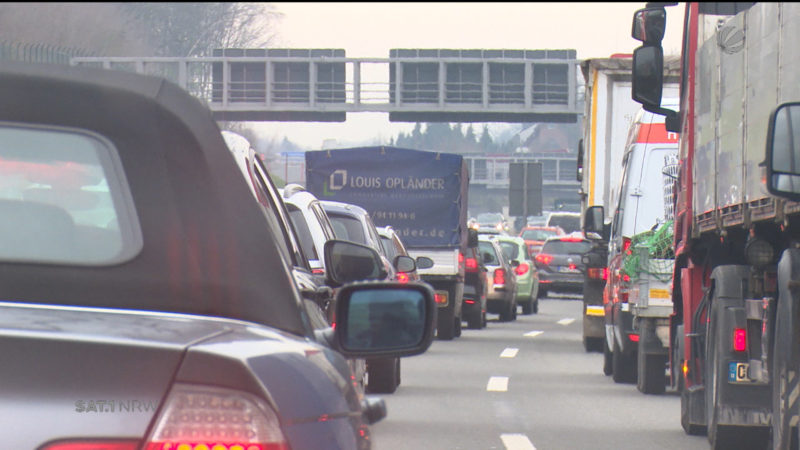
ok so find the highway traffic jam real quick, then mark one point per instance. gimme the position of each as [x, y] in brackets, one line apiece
[159, 290]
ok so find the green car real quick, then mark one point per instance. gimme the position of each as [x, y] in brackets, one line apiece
[515, 250]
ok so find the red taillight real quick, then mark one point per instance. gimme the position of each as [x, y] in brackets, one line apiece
[605, 274]
[440, 297]
[460, 257]
[739, 339]
[571, 239]
[93, 445]
[633, 337]
[209, 417]
[318, 271]
[544, 258]
[471, 265]
[522, 269]
[499, 276]
[469, 302]
[596, 273]
[402, 277]
[626, 245]
[572, 266]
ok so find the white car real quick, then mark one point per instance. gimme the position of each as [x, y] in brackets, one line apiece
[315, 229]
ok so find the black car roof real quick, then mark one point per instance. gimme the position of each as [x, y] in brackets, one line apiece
[207, 247]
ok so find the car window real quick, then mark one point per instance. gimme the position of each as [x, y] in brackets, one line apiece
[560, 247]
[510, 250]
[64, 199]
[348, 228]
[303, 233]
[538, 235]
[323, 220]
[388, 247]
[488, 254]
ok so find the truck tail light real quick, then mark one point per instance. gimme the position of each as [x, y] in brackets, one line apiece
[522, 269]
[206, 417]
[402, 277]
[739, 339]
[596, 273]
[440, 297]
[471, 265]
[499, 276]
[633, 337]
[605, 273]
[544, 258]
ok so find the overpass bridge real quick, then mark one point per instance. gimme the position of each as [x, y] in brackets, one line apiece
[412, 85]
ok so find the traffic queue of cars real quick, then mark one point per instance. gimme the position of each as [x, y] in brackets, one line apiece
[148, 269]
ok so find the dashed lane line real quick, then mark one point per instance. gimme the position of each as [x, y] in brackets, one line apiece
[509, 353]
[517, 442]
[566, 321]
[497, 384]
[533, 333]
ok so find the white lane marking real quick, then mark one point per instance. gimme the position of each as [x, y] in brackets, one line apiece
[533, 333]
[497, 384]
[566, 321]
[509, 353]
[517, 442]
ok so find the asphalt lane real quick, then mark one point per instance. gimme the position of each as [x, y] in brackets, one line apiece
[524, 385]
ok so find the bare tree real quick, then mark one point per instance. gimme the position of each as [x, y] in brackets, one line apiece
[96, 28]
[196, 29]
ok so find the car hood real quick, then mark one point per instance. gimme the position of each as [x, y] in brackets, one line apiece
[60, 363]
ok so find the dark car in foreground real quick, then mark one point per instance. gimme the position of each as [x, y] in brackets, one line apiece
[560, 264]
[146, 302]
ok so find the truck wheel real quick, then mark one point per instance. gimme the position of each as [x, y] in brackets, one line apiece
[608, 367]
[475, 320]
[592, 344]
[483, 320]
[624, 369]
[445, 329]
[785, 376]
[457, 326]
[383, 375]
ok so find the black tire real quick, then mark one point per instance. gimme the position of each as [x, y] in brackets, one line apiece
[506, 315]
[651, 375]
[483, 320]
[542, 293]
[689, 428]
[457, 326]
[527, 307]
[536, 305]
[785, 369]
[383, 375]
[624, 367]
[514, 310]
[475, 320]
[608, 367]
[592, 344]
[445, 329]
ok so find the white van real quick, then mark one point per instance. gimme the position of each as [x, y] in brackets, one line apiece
[642, 200]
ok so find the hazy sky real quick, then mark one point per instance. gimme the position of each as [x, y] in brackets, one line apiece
[371, 29]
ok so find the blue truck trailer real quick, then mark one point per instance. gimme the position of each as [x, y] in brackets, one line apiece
[421, 194]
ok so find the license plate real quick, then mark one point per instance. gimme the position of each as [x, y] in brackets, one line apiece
[737, 372]
[568, 270]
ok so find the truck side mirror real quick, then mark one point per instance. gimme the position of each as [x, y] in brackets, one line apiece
[593, 220]
[783, 152]
[648, 76]
[472, 238]
[649, 25]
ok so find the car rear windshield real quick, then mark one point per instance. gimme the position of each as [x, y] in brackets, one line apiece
[487, 254]
[538, 235]
[510, 250]
[348, 228]
[559, 247]
[567, 222]
[64, 199]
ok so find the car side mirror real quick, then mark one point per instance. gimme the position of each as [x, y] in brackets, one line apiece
[423, 262]
[783, 152]
[405, 264]
[347, 261]
[386, 319]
